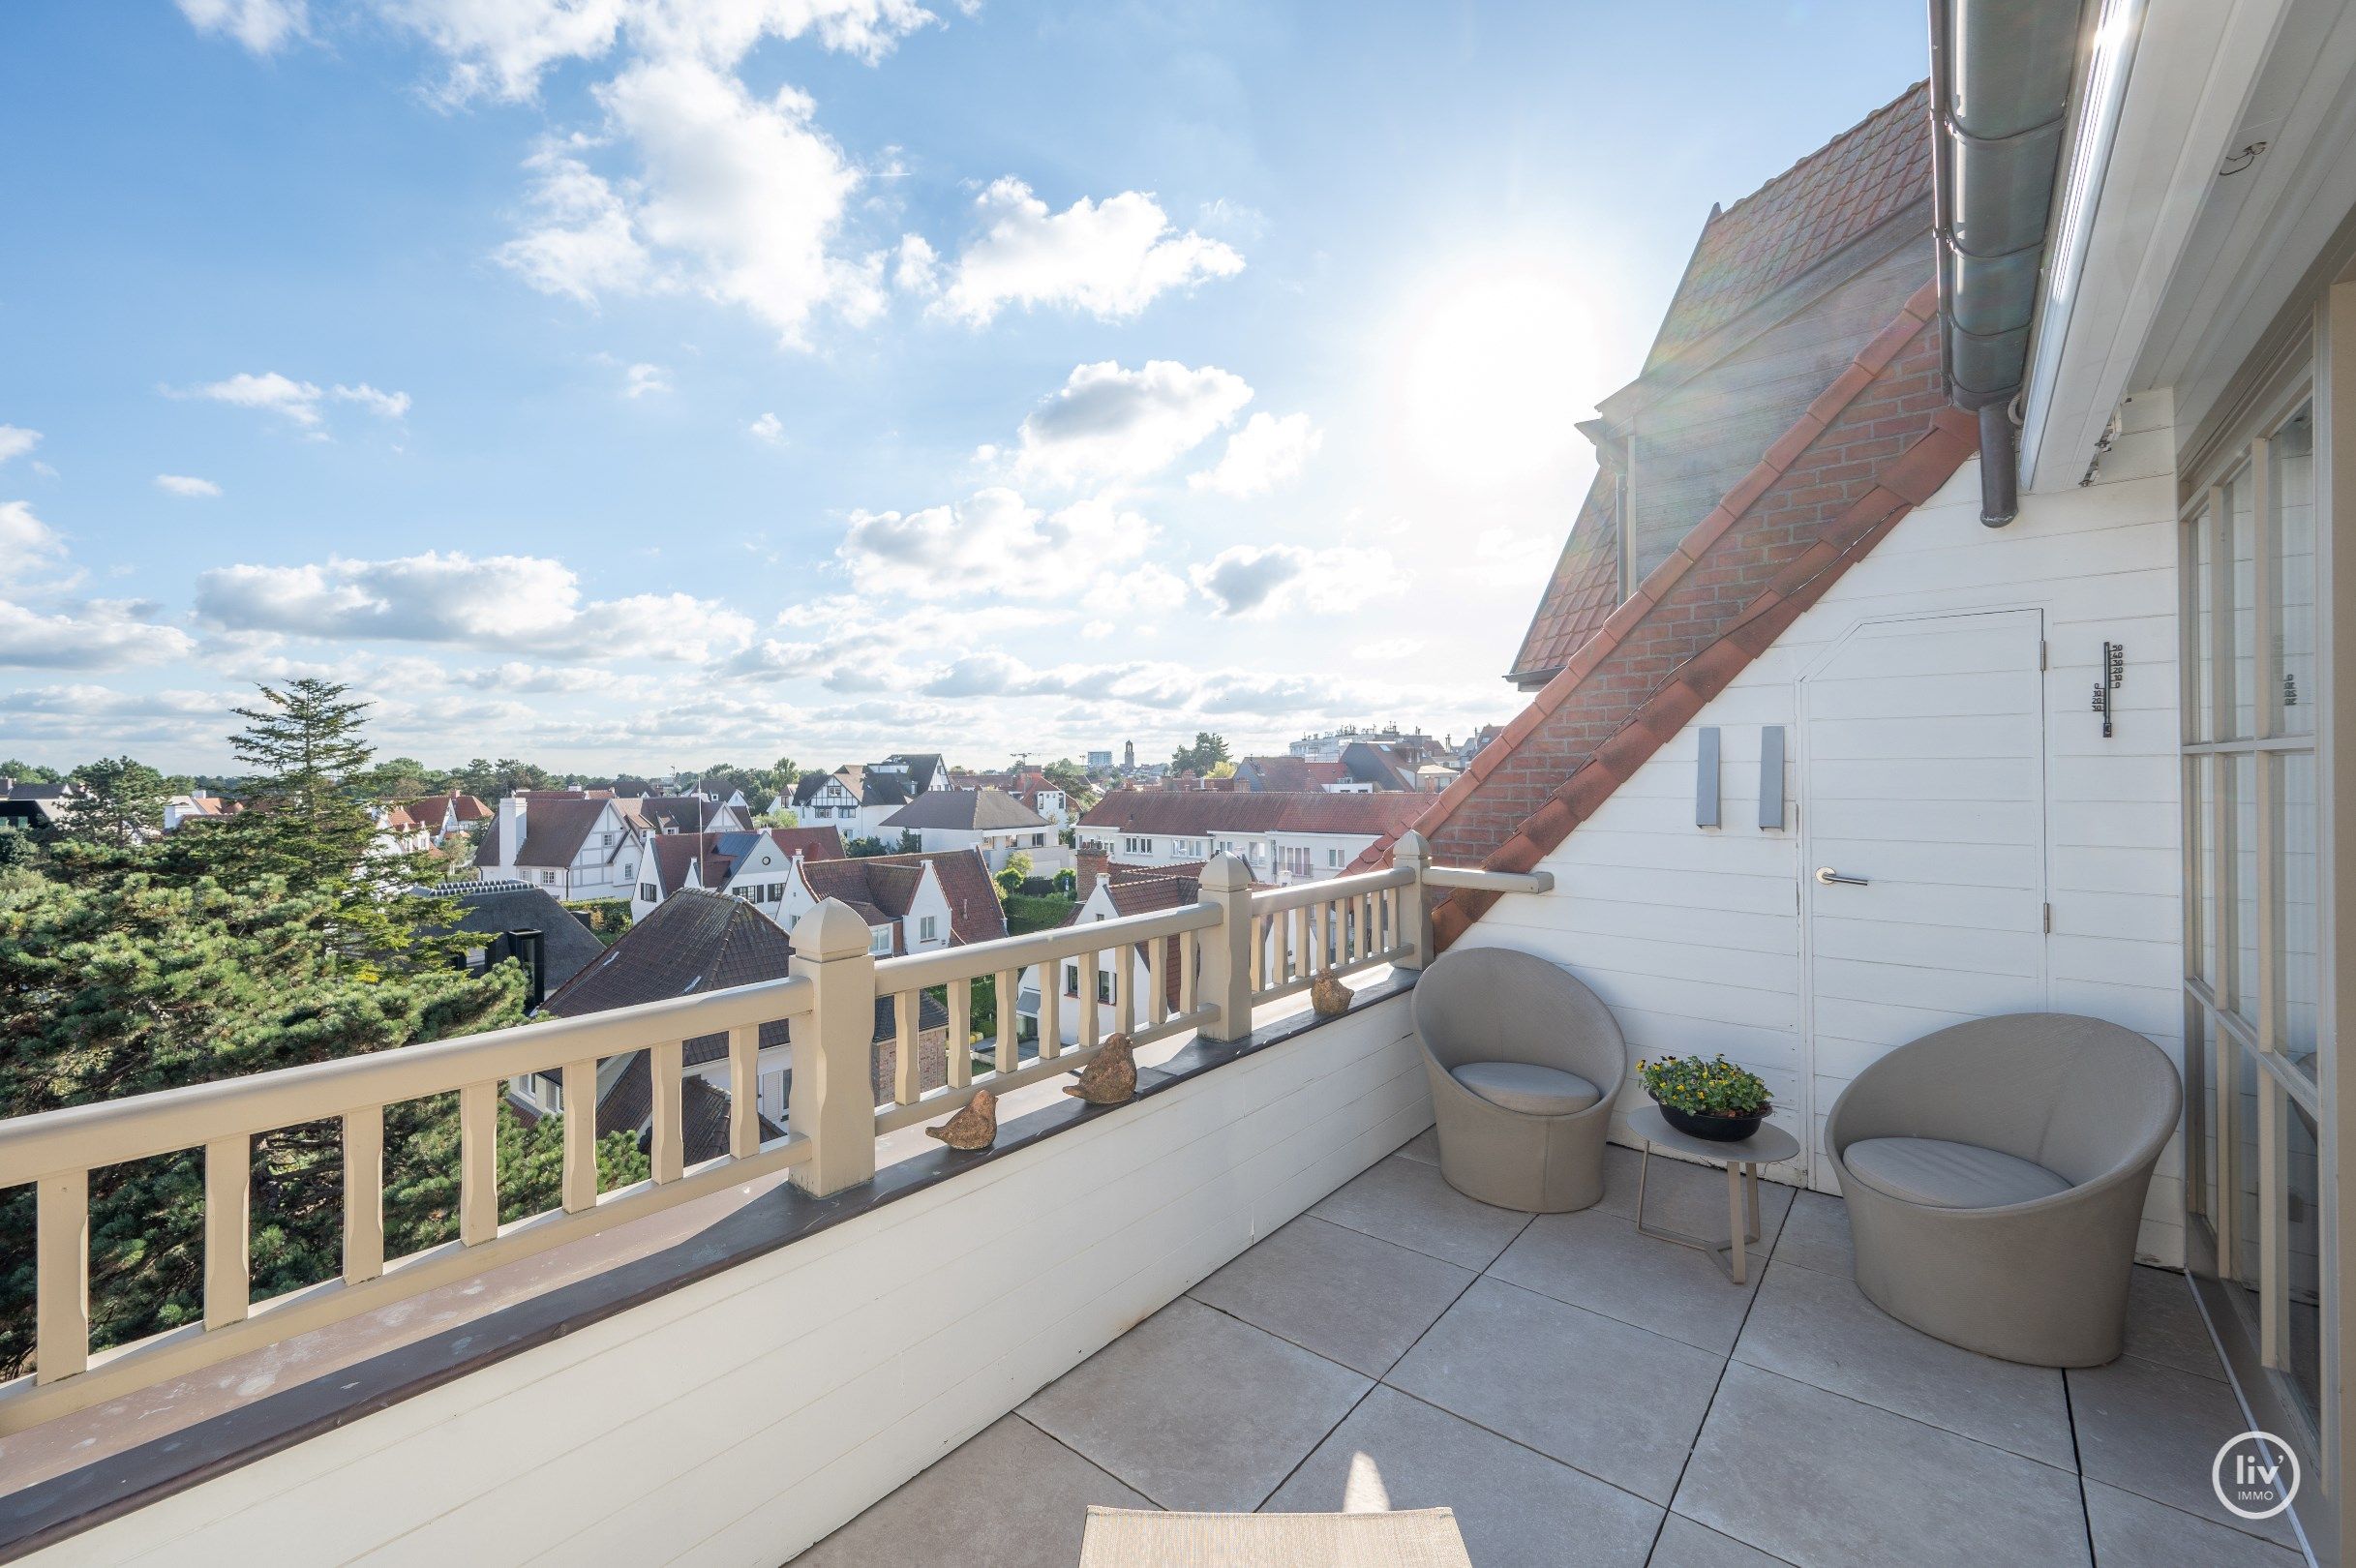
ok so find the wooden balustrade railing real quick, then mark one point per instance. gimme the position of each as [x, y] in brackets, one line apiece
[1233, 950]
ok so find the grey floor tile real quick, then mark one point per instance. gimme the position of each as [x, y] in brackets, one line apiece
[1403, 1200]
[1424, 1146]
[2153, 1431]
[1011, 1495]
[1816, 1235]
[1683, 1544]
[1818, 1479]
[1350, 1297]
[1618, 1403]
[2135, 1532]
[1516, 1509]
[1821, 1329]
[1196, 1409]
[1600, 1261]
[2164, 1324]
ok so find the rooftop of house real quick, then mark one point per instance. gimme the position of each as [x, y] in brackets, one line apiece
[555, 827]
[1739, 281]
[1188, 812]
[1289, 775]
[981, 810]
[493, 908]
[457, 805]
[1868, 173]
[693, 942]
[884, 887]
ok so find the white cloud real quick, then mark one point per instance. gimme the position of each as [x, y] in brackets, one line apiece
[917, 267]
[526, 603]
[993, 542]
[1107, 422]
[584, 244]
[25, 541]
[383, 405]
[769, 428]
[299, 401]
[260, 25]
[500, 48]
[1257, 581]
[99, 635]
[15, 440]
[1268, 452]
[641, 379]
[181, 484]
[738, 198]
[1109, 259]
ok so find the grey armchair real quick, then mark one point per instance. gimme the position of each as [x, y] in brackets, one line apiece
[1524, 1063]
[1996, 1174]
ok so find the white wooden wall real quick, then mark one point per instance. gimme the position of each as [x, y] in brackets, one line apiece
[1693, 935]
[740, 1418]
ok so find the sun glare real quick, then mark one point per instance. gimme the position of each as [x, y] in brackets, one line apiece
[1495, 374]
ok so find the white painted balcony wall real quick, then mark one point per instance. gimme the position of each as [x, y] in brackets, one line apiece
[740, 1418]
[1714, 939]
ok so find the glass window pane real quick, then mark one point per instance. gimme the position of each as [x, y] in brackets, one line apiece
[2201, 776]
[2241, 813]
[2301, 1213]
[2202, 1043]
[2200, 545]
[2292, 674]
[2241, 647]
[2297, 976]
[2249, 1078]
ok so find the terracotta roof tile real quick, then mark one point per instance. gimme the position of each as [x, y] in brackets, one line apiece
[1852, 183]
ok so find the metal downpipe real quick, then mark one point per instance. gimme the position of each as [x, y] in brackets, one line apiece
[1999, 465]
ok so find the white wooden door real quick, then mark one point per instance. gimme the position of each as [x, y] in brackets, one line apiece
[1922, 754]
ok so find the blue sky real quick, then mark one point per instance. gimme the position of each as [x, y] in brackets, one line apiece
[645, 382]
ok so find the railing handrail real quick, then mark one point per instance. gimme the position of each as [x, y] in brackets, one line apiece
[1294, 894]
[1200, 966]
[920, 970]
[109, 1131]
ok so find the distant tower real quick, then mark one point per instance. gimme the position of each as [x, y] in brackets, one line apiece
[1128, 757]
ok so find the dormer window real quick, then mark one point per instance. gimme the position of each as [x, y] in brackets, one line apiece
[879, 939]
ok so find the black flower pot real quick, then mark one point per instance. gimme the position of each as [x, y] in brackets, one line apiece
[1716, 1128]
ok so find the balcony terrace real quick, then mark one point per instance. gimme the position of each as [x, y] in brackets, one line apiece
[1580, 1394]
[1247, 1289]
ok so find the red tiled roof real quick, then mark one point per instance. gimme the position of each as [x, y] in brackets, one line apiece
[1193, 812]
[1584, 590]
[811, 843]
[1867, 175]
[886, 883]
[1879, 441]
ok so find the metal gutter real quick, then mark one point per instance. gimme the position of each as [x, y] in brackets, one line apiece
[2001, 73]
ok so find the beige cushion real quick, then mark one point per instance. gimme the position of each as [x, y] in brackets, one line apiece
[1527, 1088]
[1945, 1175]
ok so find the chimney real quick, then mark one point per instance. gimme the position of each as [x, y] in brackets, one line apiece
[1089, 866]
[511, 827]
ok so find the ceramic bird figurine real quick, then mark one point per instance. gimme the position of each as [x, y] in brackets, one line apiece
[1112, 1077]
[1329, 996]
[976, 1126]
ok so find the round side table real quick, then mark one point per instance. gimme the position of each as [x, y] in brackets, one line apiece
[1770, 1145]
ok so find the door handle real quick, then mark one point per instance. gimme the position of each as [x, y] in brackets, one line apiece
[1828, 876]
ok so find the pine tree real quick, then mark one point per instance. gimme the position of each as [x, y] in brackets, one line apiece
[118, 802]
[308, 828]
[138, 981]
